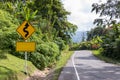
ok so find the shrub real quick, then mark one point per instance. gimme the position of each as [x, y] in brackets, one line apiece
[83, 46]
[101, 50]
[75, 46]
[60, 43]
[108, 50]
[111, 46]
[8, 34]
[46, 55]
[38, 60]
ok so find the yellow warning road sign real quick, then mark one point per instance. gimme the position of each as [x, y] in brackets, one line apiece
[25, 46]
[25, 30]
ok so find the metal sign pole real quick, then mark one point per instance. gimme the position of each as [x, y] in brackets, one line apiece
[26, 61]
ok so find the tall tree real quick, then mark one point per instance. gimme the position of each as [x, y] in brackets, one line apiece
[54, 12]
[111, 39]
[97, 31]
[111, 9]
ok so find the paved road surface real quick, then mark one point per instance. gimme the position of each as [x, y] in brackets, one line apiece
[89, 67]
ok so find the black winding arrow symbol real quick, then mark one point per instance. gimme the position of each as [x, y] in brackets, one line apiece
[24, 29]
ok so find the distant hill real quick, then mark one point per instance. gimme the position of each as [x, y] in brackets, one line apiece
[78, 36]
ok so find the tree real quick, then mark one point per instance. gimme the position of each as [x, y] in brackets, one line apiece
[111, 8]
[56, 16]
[83, 37]
[50, 18]
[97, 31]
[111, 38]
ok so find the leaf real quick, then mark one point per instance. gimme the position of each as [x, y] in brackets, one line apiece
[33, 14]
[93, 9]
[99, 39]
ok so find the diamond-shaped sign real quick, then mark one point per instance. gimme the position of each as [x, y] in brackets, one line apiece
[25, 30]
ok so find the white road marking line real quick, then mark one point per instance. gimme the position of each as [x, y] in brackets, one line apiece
[78, 78]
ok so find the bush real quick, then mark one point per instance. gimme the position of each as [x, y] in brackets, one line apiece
[60, 43]
[38, 60]
[94, 44]
[117, 46]
[46, 55]
[101, 50]
[75, 46]
[108, 50]
[111, 46]
[48, 49]
[83, 46]
[8, 35]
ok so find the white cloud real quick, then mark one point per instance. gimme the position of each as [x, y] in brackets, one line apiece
[81, 13]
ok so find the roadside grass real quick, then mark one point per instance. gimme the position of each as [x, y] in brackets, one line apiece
[106, 59]
[65, 55]
[12, 68]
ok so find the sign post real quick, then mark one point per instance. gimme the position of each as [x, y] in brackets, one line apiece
[25, 30]
[26, 61]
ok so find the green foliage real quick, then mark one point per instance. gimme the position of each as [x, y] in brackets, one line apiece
[46, 52]
[20, 9]
[110, 42]
[97, 31]
[60, 43]
[7, 73]
[53, 31]
[38, 60]
[8, 36]
[117, 45]
[12, 68]
[28, 14]
[83, 46]
[93, 44]
[8, 41]
[98, 54]
[111, 48]
[46, 55]
[111, 8]
[74, 46]
[111, 37]
[7, 21]
[55, 15]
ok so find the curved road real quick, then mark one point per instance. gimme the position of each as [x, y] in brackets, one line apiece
[84, 66]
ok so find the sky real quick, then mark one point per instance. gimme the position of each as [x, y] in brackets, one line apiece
[81, 14]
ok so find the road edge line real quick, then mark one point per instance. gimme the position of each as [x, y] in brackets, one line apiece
[78, 78]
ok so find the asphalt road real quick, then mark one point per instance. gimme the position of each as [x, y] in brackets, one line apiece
[84, 66]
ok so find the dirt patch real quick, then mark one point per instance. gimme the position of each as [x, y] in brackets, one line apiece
[39, 75]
